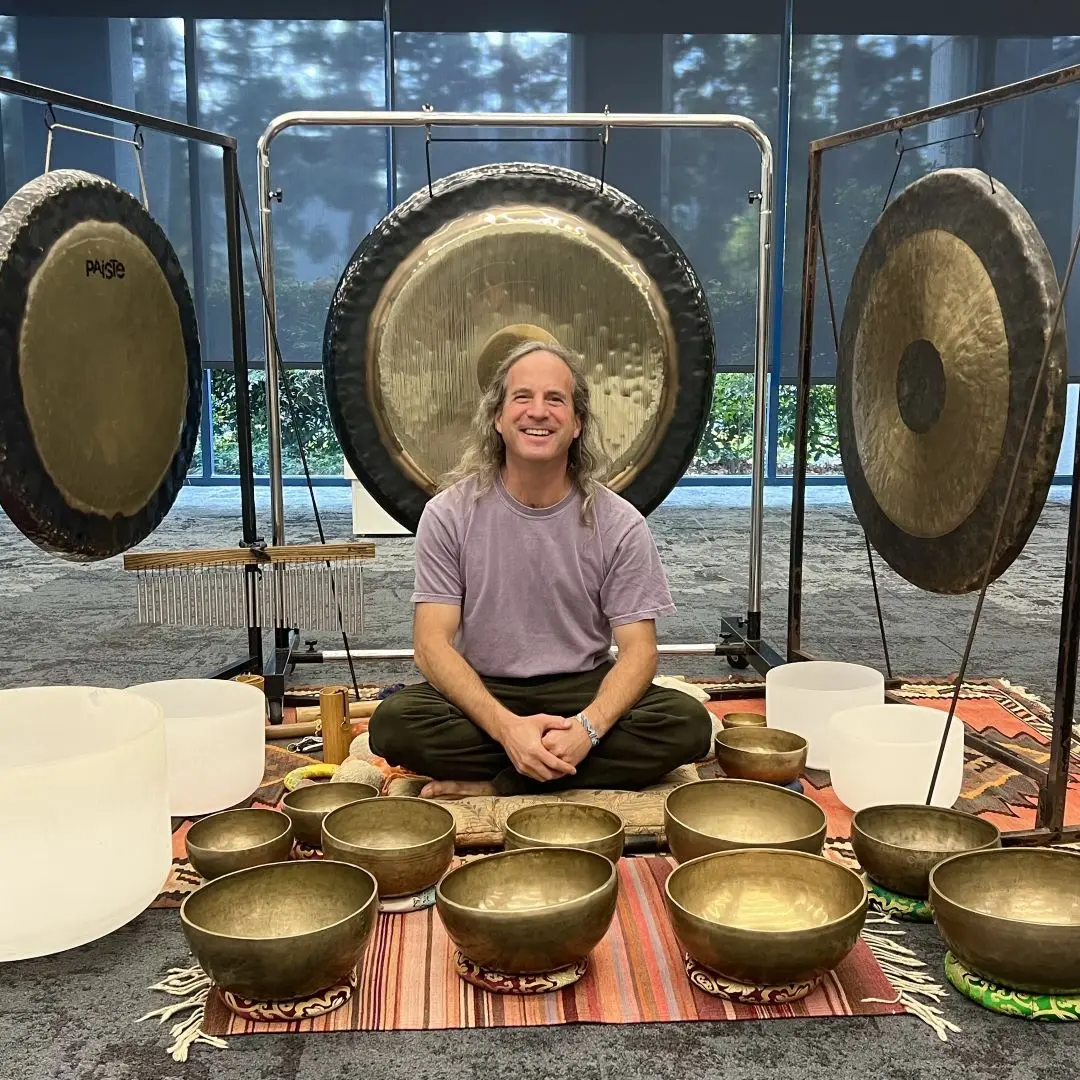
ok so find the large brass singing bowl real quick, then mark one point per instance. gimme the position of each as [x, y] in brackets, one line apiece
[531, 910]
[307, 806]
[564, 824]
[1012, 915]
[283, 931]
[725, 815]
[406, 843]
[761, 753]
[237, 839]
[898, 845]
[766, 917]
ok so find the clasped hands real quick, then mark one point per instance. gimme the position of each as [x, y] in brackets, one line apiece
[545, 747]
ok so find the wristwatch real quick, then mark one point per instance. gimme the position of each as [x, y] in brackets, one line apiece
[583, 720]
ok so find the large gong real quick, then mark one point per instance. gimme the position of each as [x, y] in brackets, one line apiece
[944, 331]
[449, 281]
[100, 367]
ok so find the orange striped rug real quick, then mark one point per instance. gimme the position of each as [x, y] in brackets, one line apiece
[407, 979]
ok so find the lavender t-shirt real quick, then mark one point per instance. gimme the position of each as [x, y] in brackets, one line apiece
[539, 591]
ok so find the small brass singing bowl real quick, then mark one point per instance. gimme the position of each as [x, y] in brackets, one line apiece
[761, 753]
[742, 719]
[564, 824]
[237, 839]
[307, 806]
[407, 843]
[766, 917]
[283, 931]
[726, 815]
[1012, 915]
[898, 845]
[530, 910]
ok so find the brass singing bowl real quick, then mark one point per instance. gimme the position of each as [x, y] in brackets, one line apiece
[898, 845]
[564, 824]
[282, 931]
[237, 839]
[766, 917]
[1012, 915]
[761, 753]
[407, 843]
[725, 815]
[742, 719]
[307, 806]
[530, 910]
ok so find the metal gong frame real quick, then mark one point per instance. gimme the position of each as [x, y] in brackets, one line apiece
[1054, 777]
[740, 637]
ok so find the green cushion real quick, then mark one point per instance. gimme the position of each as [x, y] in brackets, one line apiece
[1001, 999]
[908, 908]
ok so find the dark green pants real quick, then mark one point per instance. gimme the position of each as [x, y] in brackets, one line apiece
[418, 729]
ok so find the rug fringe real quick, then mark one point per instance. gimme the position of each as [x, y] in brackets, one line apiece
[907, 975]
[192, 984]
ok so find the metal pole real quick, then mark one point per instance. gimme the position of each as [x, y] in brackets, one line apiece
[391, 142]
[330, 656]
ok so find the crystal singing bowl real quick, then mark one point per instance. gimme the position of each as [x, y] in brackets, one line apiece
[282, 931]
[564, 824]
[761, 753]
[406, 843]
[530, 910]
[899, 845]
[237, 839]
[308, 806]
[766, 917]
[1012, 915]
[722, 815]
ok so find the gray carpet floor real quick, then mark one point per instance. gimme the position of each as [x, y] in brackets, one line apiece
[72, 1015]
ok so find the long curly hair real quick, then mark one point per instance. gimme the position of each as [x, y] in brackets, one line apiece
[484, 452]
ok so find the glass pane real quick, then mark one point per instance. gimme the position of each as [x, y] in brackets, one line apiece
[11, 110]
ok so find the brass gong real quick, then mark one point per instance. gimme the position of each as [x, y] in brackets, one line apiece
[944, 331]
[445, 286]
[100, 367]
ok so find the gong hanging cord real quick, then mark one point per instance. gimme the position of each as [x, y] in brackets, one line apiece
[294, 422]
[869, 551]
[901, 150]
[1058, 309]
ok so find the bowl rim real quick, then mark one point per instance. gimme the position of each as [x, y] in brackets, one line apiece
[442, 898]
[762, 718]
[939, 811]
[748, 852]
[450, 831]
[343, 783]
[854, 735]
[261, 810]
[1000, 853]
[262, 868]
[757, 783]
[614, 834]
[720, 738]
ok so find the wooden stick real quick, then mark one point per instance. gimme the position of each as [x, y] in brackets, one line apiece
[357, 710]
[290, 731]
[337, 732]
[242, 556]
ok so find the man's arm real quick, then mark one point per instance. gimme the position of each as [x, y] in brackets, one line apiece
[630, 676]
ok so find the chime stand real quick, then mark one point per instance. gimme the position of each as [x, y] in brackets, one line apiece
[740, 637]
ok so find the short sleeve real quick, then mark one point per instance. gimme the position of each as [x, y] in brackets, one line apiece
[635, 586]
[438, 565]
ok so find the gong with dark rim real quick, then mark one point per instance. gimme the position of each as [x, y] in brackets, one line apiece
[100, 367]
[448, 282]
[948, 317]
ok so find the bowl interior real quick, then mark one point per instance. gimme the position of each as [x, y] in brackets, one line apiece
[766, 890]
[761, 740]
[322, 798]
[389, 823]
[526, 879]
[279, 900]
[238, 830]
[743, 719]
[745, 812]
[925, 828]
[564, 823]
[1028, 886]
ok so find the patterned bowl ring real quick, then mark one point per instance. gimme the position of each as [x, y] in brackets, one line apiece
[721, 986]
[906, 908]
[498, 982]
[1009, 1002]
[306, 1008]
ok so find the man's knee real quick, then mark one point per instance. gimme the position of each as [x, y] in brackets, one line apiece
[388, 726]
[691, 725]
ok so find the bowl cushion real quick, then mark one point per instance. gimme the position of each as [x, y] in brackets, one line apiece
[333, 997]
[721, 986]
[499, 982]
[1002, 999]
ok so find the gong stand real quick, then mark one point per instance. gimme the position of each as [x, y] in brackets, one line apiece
[740, 637]
[1052, 779]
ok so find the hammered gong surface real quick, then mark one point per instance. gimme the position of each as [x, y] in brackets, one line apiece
[944, 331]
[448, 282]
[100, 360]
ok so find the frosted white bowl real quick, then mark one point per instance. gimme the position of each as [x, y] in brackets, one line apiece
[801, 697]
[215, 731]
[885, 754]
[85, 837]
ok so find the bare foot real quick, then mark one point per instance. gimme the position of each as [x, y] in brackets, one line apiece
[456, 789]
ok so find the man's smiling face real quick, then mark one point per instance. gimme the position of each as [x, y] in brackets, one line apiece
[537, 420]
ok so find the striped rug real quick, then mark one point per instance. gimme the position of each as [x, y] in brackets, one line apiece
[636, 975]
